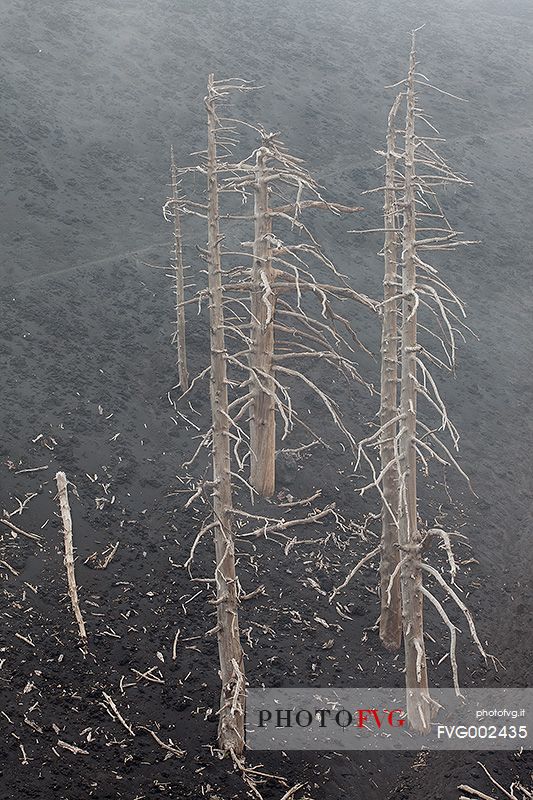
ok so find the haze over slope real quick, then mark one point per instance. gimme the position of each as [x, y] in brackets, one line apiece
[93, 94]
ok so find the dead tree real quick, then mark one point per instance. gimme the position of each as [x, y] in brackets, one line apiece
[231, 714]
[242, 301]
[423, 227]
[261, 360]
[62, 494]
[217, 492]
[409, 537]
[390, 622]
[280, 328]
[171, 211]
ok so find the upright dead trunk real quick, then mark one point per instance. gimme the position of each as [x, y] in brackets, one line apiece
[418, 701]
[62, 493]
[263, 411]
[231, 716]
[390, 623]
[177, 262]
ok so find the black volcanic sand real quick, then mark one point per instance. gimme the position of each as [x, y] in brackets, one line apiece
[92, 96]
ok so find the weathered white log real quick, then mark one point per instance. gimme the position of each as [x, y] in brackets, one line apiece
[62, 493]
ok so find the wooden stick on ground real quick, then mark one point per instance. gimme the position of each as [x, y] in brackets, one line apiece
[9, 524]
[62, 493]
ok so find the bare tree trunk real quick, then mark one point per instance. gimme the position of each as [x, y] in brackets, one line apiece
[62, 493]
[418, 701]
[263, 410]
[390, 623]
[177, 259]
[231, 717]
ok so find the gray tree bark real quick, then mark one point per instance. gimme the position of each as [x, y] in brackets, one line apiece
[418, 701]
[263, 409]
[177, 263]
[231, 715]
[390, 623]
[62, 493]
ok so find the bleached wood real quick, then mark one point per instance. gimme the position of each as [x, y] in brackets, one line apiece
[390, 622]
[418, 700]
[279, 269]
[177, 263]
[62, 493]
[418, 170]
[231, 713]
[263, 302]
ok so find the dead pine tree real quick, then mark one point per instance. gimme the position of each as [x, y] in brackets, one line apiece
[62, 494]
[218, 491]
[422, 226]
[326, 336]
[263, 405]
[409, 537]
[281, 329]
[171, 210]
[231, 713]
[390, 622]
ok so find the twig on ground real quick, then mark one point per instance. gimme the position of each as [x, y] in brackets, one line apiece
[9, 524]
